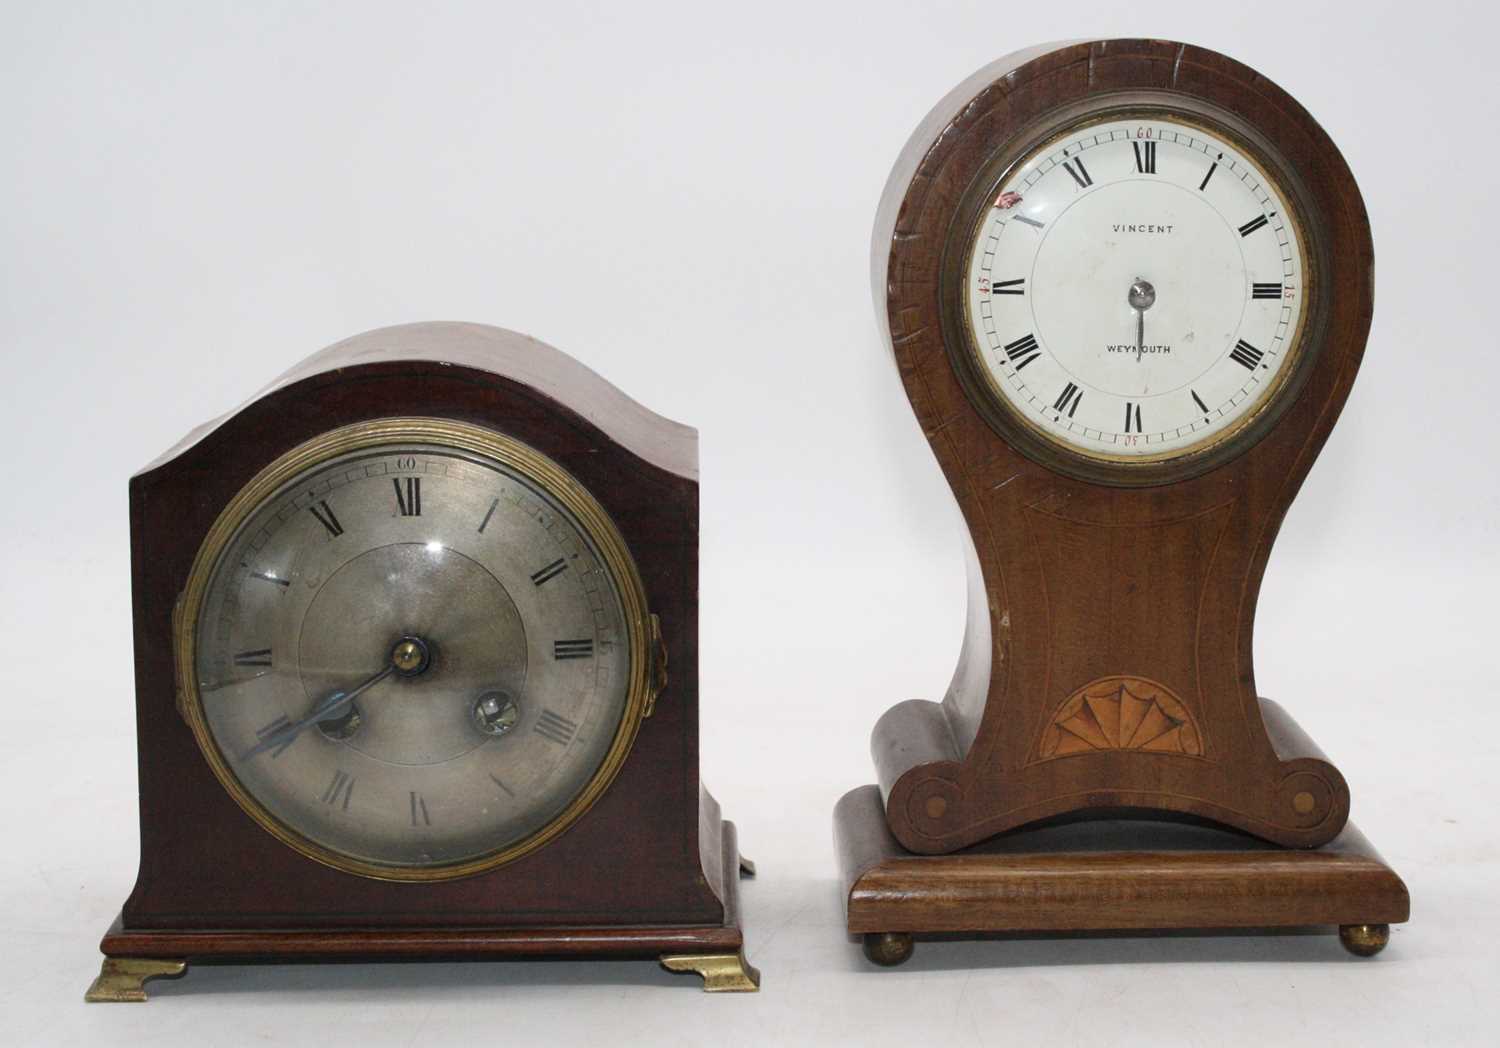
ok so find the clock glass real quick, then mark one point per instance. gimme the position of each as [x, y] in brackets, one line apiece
[412, 649]
[1134, 288]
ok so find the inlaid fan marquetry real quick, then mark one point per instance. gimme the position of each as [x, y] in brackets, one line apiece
[1121, 713]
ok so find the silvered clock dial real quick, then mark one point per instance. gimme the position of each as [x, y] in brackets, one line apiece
[415, 648]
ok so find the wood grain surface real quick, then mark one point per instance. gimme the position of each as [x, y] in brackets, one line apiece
[1076, 581]
[642, 870]
[1105, 875]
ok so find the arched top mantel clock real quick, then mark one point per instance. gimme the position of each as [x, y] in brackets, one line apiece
[416, 673]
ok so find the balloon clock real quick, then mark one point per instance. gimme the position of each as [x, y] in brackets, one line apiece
[416, 673]
[1127, 285]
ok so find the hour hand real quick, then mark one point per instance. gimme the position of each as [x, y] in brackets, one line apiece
[327, 709]
[410, 657]
[331, 707]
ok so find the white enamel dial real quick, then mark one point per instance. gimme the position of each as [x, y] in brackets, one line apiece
[1134, 289]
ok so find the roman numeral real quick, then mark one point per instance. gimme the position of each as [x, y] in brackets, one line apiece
[572, 649]
[1211, 169]
[1029, 221]
[1252, 225]
[551, 571]
[1008, 287]
[1023, 351]
[503, 788]
[258, 657]
[555, 727]
[341, 788]
[419, 816]
[326, 518]
[1129, 409]
[270, 578]
[1068, 400]
[1145, 157]
[410, 504]
[1246, 354]
[1199, 401]
[279, 724]
[1081, 175]
[1265, 290]
[487, 515]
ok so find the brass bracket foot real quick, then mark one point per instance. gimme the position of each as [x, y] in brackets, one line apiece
[124, 978]
[747, 868]
[722, 972]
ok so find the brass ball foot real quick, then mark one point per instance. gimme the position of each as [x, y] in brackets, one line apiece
[888, 949]
[1364, 940]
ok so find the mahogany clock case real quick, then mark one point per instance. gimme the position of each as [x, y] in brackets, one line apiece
[1139, 585]
[649, 870]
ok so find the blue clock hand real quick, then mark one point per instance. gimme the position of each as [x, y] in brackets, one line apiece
[324, 710]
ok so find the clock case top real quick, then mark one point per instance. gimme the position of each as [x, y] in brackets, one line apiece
[1079, 582]
[651, 853]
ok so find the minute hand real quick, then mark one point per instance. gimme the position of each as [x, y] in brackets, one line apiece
[321, 712]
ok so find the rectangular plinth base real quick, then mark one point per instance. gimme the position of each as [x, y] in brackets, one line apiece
[1106, 875]
[716, 952]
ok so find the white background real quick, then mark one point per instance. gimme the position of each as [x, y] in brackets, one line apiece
[195, 196]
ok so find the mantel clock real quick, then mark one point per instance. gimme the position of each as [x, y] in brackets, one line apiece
[1127, 285]
[416, 673]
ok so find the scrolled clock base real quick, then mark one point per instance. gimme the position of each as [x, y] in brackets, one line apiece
[1106, 875]
[937, 802]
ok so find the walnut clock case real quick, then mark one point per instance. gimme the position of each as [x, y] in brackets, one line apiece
[416, 674]
[1127, 285]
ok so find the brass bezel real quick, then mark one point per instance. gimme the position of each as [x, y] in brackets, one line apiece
[459, 436]
[981, 386]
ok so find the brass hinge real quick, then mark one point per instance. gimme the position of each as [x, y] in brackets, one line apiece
[657, 674]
